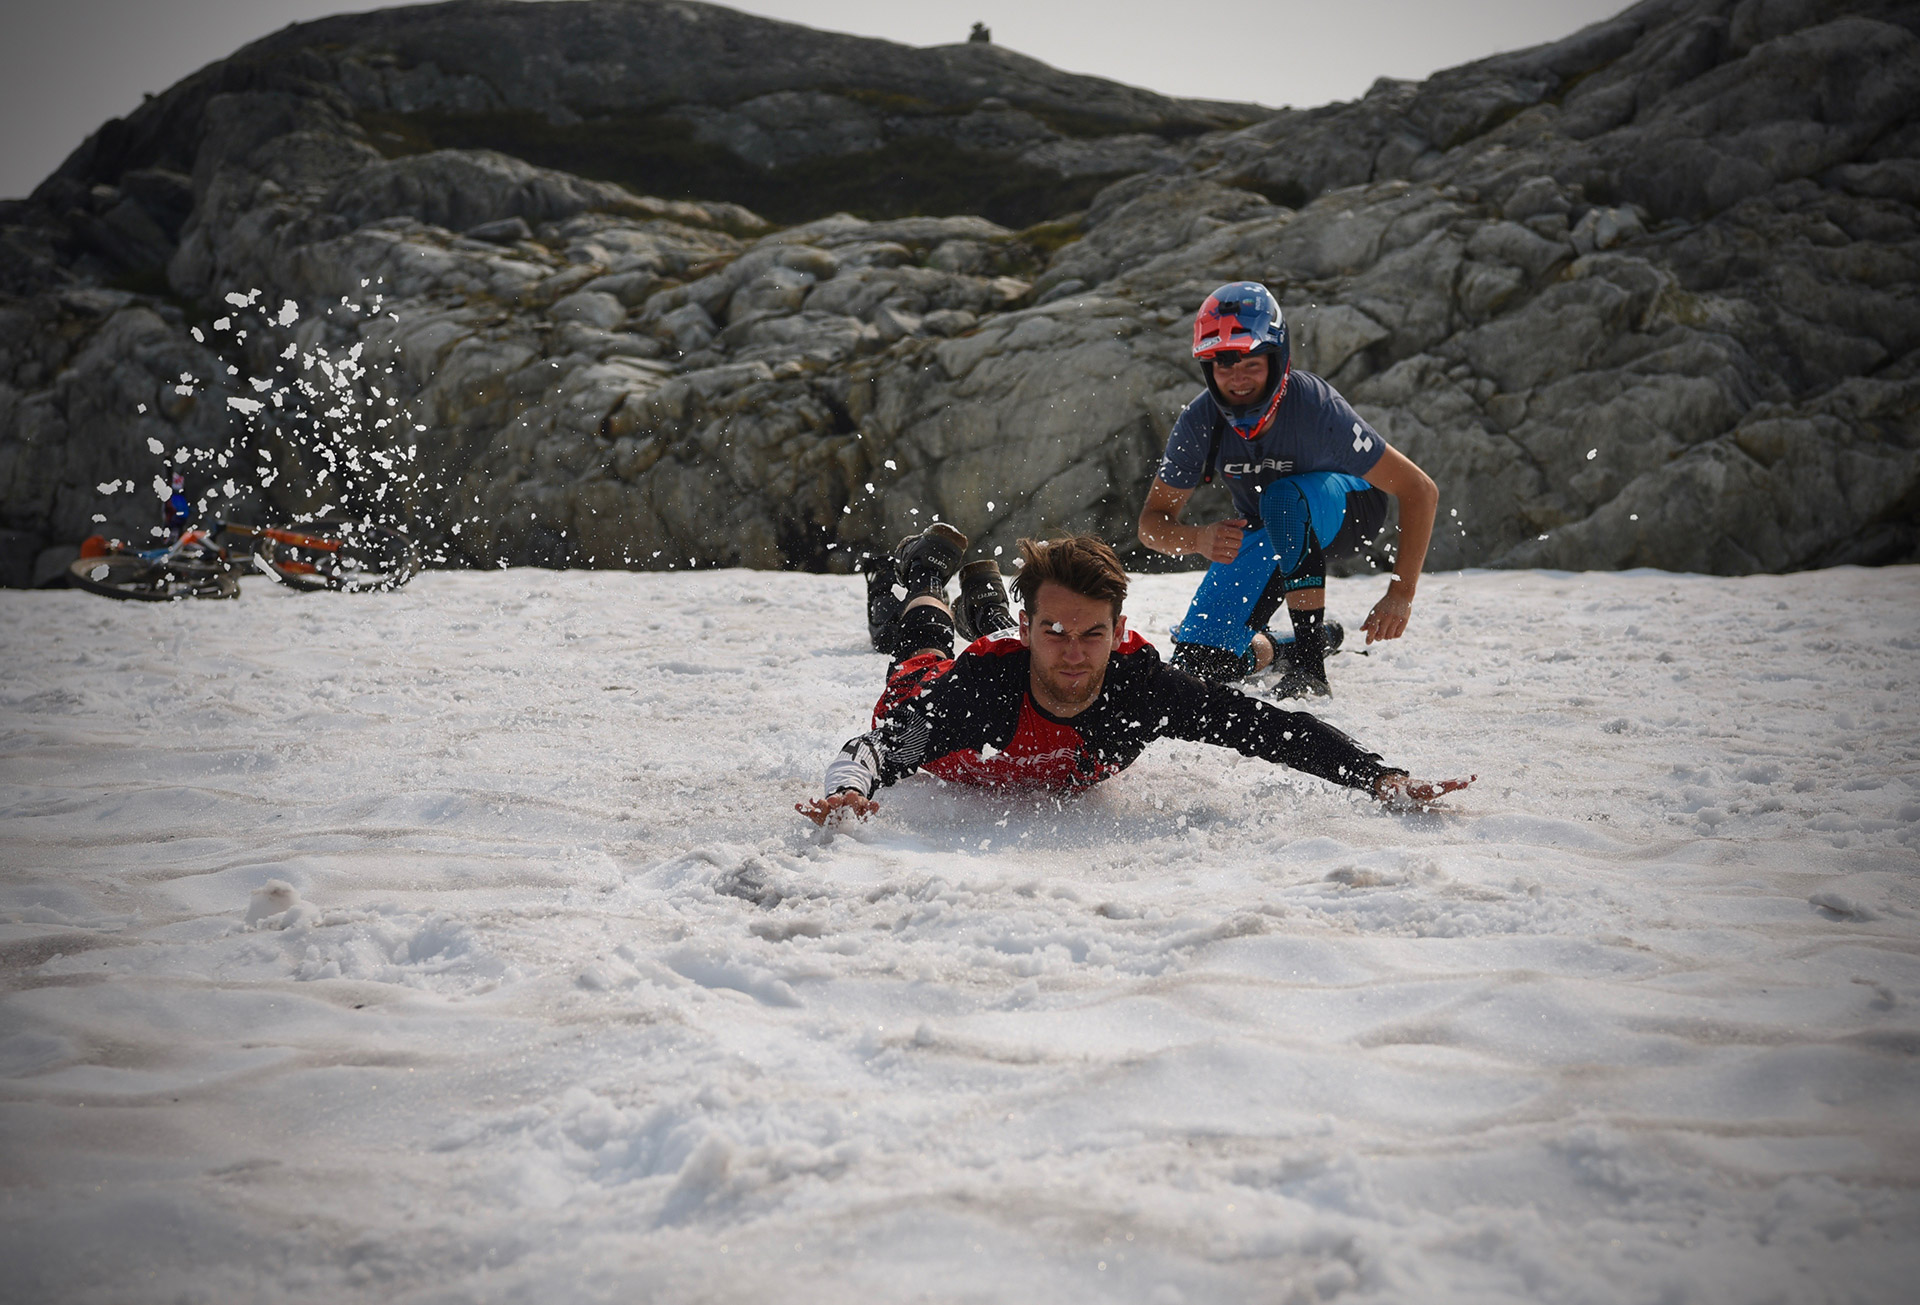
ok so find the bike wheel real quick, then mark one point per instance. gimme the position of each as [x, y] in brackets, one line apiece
[347, 555]
[124, 575]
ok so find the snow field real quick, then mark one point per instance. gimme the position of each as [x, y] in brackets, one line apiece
[461, 944]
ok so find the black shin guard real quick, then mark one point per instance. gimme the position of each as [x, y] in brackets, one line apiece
[982, 609]
[1309, 640]
[883, 603]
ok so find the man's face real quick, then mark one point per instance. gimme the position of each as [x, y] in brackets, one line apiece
[1072, 638]
[1240, 376]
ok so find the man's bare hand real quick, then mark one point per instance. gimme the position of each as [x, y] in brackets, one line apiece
[838, 807]
[1220, 542]
[1388, 619]
[1405, 793]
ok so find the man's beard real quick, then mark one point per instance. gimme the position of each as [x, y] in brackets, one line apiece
[1067, 696]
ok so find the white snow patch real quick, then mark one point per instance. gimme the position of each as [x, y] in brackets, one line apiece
[462, 943]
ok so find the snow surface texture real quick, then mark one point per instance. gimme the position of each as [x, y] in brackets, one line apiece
[461, 944]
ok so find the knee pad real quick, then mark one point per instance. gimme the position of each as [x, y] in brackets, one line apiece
[925, 626]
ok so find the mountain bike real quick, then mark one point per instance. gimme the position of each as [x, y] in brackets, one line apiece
[207, 563]
[347, 555]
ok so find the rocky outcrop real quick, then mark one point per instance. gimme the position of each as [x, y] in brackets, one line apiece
[1645, 296]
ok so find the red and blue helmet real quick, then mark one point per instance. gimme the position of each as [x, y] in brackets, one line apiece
[1244, 318]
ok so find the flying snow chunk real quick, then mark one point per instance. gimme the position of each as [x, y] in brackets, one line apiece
[269, 905]
[155, 446]
[248, 406]
[239, 300]
[1592, 454]
[289, 314]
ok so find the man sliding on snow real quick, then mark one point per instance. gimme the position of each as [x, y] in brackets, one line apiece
[1309, 479]
[1060, 700]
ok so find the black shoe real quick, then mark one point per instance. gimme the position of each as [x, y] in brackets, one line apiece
[1298, 682]
[982, 608]
[883, 602]
[929, 559]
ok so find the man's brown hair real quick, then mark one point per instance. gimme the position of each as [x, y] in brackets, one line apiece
[1080, 563]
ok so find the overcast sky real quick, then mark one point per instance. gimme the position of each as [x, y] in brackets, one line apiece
[66, 66]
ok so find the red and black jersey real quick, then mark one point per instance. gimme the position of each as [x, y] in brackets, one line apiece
[971, 720]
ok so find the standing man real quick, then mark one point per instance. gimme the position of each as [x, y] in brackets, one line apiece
[1309, 479]
[1062, 699]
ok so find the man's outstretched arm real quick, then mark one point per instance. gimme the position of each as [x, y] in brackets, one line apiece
[837, 807]
[1216, 713]
[1403, 792]
[1419, 500]
[853, 776]
[972, 704]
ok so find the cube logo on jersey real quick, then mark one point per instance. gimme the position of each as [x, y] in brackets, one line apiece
[1362, 441]
[1279, 465]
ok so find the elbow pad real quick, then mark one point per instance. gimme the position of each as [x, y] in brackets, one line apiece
[857, 768]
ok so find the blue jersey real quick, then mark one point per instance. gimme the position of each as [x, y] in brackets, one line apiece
[1314, 429]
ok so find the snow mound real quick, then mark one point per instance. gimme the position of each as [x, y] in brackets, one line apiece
[542, 991]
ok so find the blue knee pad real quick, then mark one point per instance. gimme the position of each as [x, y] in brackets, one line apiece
[1223, 604]
[1224, 601]
[1292, 505]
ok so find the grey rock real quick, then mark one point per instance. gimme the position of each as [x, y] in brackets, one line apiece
[949, 321]
[591, 307]
[1645, 296]
[18, 551]
[1105, 156]
[1518, 246]
[632, 289]
[50, 566]
[1326, 338]
[1534, 197]
[503, 231]
[465, 189]
[1603, 228]
[787, 127]
[894, 322]
[689, 327]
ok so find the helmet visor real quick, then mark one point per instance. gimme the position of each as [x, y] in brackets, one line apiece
[1219, 330]
[1235, 323]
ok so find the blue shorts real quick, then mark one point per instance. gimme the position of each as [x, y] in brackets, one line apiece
[1305, 519]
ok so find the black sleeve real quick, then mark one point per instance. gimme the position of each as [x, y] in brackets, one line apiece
[975, 703]
[1193, 709]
